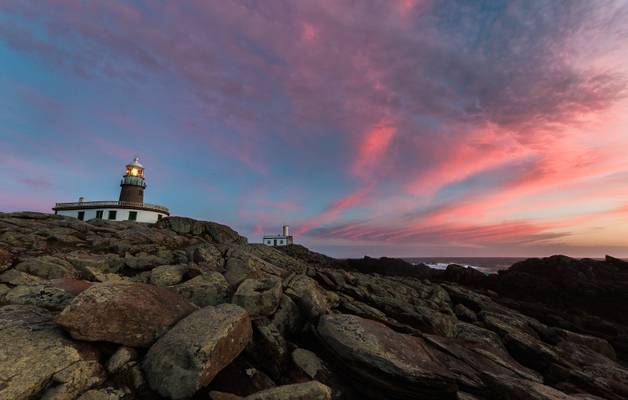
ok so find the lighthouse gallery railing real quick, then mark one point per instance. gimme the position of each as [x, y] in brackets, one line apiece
[114, 204]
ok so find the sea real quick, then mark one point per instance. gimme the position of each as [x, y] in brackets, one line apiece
[488, 265]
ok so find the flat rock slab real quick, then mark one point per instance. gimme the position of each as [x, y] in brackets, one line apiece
[259, 296]
[131, 314]
[382, 362]
[188, 356]
[312, 390]
[34, 353]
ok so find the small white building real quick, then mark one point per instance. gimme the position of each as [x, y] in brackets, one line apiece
[129, 207]
[278, 240]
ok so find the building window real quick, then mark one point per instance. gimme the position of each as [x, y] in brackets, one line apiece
[99, 214]
[112, 214]
[81, 215]
[132, 215]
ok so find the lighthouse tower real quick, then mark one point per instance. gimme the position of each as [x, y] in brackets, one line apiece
[129, 207]
[133, 184]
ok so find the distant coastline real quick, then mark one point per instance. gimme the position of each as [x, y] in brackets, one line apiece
[488, 265]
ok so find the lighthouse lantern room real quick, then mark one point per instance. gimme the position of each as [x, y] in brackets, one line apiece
[129, 207]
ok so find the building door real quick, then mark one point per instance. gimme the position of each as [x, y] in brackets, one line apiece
[81, 215]
[274, 242]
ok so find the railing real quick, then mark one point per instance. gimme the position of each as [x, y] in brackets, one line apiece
[106, 204]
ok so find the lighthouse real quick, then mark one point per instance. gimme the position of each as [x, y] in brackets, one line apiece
[129, 207]
[284, 239]
[133, 184]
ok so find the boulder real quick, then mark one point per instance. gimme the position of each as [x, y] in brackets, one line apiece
[204, 290]
[17, 278]
[144, 261]
[217, 233]
[287, 319]
[268, 349]
[208, 255]
[124, 368]
[74, 380]
[464, 314]
[46, 296]
[108, 393]
[215, 395]
[240, 266]
[167, 275]
[304, 291]
[463, 275]
[34, 353]
[309, 363]
[312, 390]
[48, 267]
[383, 363]
[188, 356]
[242, 378]
[260, 297]
[122, 357]
[131, 314]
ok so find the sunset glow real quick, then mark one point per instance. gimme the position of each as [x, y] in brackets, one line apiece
[400, 128]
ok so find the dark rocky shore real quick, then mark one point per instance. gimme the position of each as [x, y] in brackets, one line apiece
[183, 309]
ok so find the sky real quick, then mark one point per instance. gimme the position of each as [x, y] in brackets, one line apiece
[371, 127]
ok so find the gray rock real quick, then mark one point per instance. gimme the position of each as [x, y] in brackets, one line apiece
[384, 363]
[215, 395]
[17, 278]
[312, 390]
[260, 297]
[204, 290]
[123, 356]
[108, 393]
[48, 267]
[309, 363]
[217, 233]
[464, 314]
[308, 296]
[268, 349]
[240, 266]
[46, 296]
[188, 356]
[146, 261]
[129, 314]
[74, 380]
[208, 255]
[167, 275]
[287, 319]
[34, 353]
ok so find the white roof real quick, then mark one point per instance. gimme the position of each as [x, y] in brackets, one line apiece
[136, 163]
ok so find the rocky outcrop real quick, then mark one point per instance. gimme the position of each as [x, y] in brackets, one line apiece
[101, 310]
[216, 233]
[132, 314]
[299, 391]
[209, 289]
[260, 297]
[385, 363]
[190, 355]
[37, 360]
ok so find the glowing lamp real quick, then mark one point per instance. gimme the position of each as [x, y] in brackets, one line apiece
[134, 172]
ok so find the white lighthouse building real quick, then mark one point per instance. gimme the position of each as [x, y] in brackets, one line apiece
[129, 207]
[279, 240]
